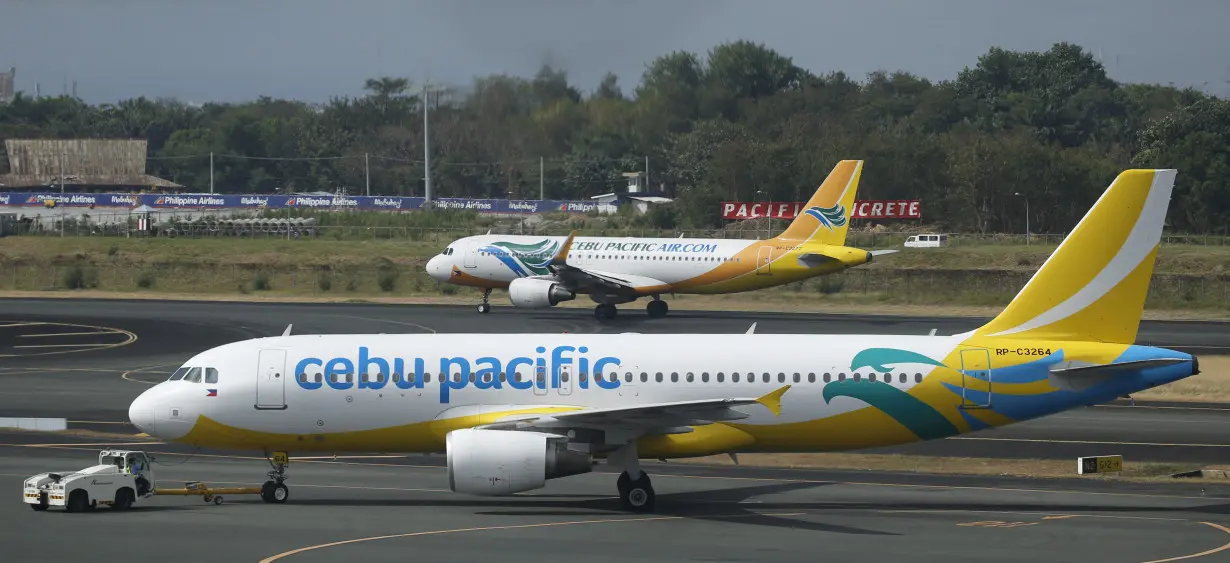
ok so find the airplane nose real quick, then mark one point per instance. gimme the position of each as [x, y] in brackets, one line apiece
[141, 413]
[437, 268]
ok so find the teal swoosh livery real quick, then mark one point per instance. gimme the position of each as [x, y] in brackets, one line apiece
[878, 358]
[910, 411]
[525, 259]
[830, 217]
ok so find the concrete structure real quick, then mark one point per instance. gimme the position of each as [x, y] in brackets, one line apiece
[80, 165]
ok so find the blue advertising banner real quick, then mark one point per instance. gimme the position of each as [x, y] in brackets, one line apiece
[235, 201]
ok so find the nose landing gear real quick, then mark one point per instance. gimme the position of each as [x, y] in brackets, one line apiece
[274, 490]
[485, 307]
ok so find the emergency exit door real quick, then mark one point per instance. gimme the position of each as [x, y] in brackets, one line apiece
[271, 380]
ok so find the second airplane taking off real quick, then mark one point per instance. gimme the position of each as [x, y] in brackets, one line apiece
[545, 271]
[514, 411]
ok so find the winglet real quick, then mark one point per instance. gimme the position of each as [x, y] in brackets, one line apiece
[561, 257]
[773, 401]
[287, 331]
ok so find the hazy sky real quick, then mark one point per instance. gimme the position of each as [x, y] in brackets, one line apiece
[202, 50]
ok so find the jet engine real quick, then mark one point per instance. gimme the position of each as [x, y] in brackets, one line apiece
[504, 462]
[530, 292]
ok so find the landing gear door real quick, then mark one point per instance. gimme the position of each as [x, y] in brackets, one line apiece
[271, 380]
[976, 379]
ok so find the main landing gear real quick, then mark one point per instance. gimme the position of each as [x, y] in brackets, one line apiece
[485, 307]
[274, 490]
[605, 311]
[656, 308]
[635, 495]
[635, 490]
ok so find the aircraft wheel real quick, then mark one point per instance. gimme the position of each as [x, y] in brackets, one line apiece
[605, 312]
[484, 308]
[275, 493]
[638, 495]
[656, 309]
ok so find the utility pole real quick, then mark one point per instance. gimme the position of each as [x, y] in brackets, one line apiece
[367, 174]
[541, 192]
[63, 155]
[646, 174]
[211, 172]
[426, 153]
[1026, 216]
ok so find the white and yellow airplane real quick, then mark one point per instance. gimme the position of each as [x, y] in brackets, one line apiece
[514, 411]
[543, 271]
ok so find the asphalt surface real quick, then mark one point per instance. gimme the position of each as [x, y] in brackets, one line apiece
[86, 360]
[389, 510]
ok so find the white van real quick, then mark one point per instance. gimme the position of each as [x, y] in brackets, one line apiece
[926, 241]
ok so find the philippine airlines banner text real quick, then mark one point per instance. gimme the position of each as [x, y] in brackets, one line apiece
[230, 201]
[868, 209]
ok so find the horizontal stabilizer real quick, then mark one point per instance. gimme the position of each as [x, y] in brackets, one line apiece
[1078, 376]
[1068, 368]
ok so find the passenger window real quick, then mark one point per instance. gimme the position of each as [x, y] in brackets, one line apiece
[903, 378]
[628, 377]
[734, 377]
[797, 378]
[858, 377]
[766, 377]
[841, 377]
[827, 378]
[659, 377]
[689, 377]
[918, 378]
[781, 378]
[645, 377]
[704, 377]
[720, 377]
[674, 377]
[811, 378]
[211, 375]
[178, 375]
[872, 377]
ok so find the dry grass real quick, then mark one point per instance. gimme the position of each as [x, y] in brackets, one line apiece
[1212, 385]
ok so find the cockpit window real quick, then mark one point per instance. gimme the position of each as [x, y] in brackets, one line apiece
[178, 375]
[194, 375]
[211, 375]
[448, 251]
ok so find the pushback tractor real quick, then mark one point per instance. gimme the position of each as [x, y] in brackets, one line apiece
[118, 480]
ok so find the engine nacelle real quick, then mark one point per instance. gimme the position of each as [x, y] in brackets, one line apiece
[529, 292]
[503, 462]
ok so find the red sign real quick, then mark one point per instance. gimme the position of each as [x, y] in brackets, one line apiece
[868, 209]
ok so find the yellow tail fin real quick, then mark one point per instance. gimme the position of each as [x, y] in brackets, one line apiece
[827, 214]
[1093, 286]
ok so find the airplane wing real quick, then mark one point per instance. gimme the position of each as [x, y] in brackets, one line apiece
[644, 419]
[575, 278]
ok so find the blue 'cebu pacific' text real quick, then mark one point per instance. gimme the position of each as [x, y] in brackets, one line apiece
[459, 372]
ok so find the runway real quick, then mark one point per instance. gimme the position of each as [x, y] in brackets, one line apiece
[86, 360]
[376, 510]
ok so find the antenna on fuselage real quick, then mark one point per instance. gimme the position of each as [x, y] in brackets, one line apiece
[751, 329]
[287, 331]
[932, 333]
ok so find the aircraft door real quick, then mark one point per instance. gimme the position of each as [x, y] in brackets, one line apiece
[976, 380]
[565, 380]
[763, 260]
[471, 259]
[271, 380]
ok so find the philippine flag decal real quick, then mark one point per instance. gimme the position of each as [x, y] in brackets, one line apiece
[211, 392]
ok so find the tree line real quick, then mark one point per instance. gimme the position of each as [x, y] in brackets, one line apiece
[742, 122]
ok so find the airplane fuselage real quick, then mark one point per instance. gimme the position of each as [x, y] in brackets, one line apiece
[404, 393]
[666, 265]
